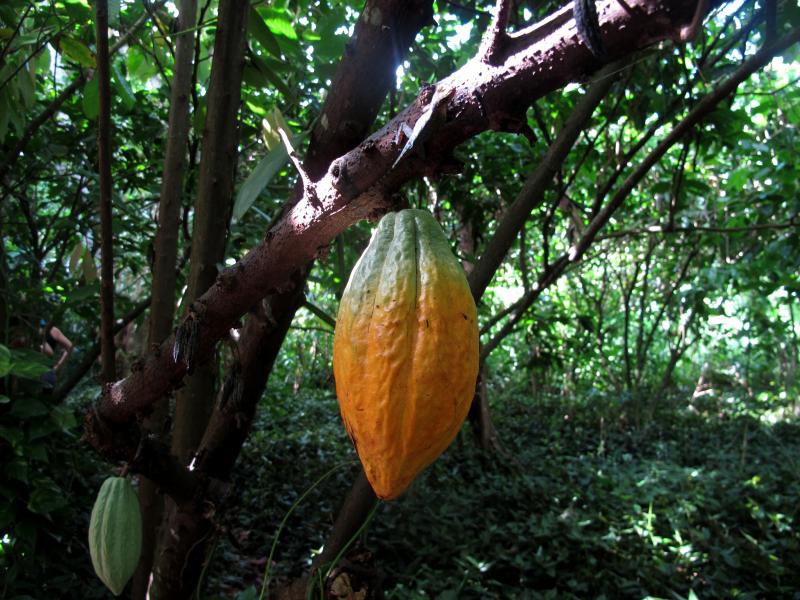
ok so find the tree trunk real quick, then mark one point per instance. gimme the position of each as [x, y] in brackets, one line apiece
[171, 578]
[162, 309]
[349, 117]
[104, 167]
[212, 210]
[480, 417]
[191, 528]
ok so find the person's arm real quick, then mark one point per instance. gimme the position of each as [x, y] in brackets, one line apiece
[64, 342]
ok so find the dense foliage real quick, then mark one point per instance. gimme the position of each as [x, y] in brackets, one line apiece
[645, 401]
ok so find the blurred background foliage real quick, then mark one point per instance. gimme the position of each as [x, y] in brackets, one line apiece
[646, 403]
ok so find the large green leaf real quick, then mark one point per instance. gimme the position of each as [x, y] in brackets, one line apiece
[77, 51]
[263, 34]
[5, 361]
[265, 170]
[122, 90]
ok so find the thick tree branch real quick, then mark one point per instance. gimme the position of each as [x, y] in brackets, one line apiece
[357, 184]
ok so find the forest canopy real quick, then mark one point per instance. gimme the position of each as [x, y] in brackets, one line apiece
[186, 187]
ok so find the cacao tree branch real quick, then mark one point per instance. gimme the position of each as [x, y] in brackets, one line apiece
[356, 185]
[318, 312]
[698, 229]
[360, 85]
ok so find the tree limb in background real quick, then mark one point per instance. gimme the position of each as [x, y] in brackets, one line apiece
[107, 350]
[532, 194]
[321, 314]
[700, 110]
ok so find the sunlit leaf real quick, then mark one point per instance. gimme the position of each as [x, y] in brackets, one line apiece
[258, 179]
[77, 51]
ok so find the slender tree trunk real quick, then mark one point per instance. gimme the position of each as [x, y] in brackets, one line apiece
[104, 164]
[212, 209]
[176, 572]
[162, 309]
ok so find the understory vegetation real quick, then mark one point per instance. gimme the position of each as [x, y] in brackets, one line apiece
[579, 504]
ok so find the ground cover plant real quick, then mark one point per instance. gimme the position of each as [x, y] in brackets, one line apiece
[581, 506]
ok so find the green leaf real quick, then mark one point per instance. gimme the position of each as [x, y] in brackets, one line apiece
[89, 268]
[263, 35]
[5, 116]
[13, 435]
[83, 292]
[91, 100]
[25, 85]
[75, 257]
[5, 361]
[36, 452]
[46, 498]
[64, 418]
[28, 363]
[270, 126]
[266, 169]
[123, 90]
[26, 408]
[17, 470]
[260, 74]
[77, 51]
[139, 67]
[281, 26]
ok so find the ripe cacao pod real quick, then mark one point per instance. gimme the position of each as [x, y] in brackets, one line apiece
[405, 350]
[115, 533]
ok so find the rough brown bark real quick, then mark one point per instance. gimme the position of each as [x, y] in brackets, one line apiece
[107, 350]
[162, 309]
[192, 524]
[540, 59]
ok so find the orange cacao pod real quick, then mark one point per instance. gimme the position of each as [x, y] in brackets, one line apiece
[405, 350]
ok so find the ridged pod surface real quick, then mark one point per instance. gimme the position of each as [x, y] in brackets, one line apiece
[405, 350]
[115, 533]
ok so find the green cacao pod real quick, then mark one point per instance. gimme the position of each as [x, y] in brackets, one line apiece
[405, 350]
[115, 533]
